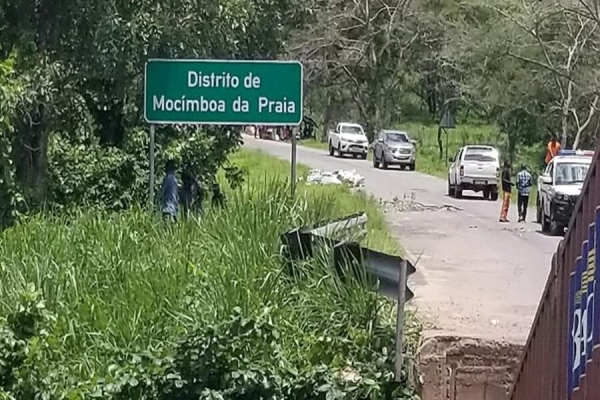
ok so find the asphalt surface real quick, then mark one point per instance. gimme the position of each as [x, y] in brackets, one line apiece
[475, 276]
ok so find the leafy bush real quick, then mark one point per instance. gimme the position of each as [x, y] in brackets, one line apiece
[85, 172]
[124, 306]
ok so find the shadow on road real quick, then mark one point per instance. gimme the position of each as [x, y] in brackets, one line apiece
[547, 234]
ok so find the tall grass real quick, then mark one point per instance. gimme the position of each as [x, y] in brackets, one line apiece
[130, 283]
[320, 203]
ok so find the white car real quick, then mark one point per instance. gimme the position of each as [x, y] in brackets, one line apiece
[475, 168]
[559, 187]
[348, 138]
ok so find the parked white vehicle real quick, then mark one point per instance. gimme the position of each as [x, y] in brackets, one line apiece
[475, 168]
[348, 138]
[559, 187]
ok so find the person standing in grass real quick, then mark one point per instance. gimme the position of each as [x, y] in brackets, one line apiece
[169, 196]
[524, 183]
[506, 189]
[191, 193]
[218, 198]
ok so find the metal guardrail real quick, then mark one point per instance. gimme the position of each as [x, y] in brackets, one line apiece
[350, 258]
[301, 243]
[335, 227]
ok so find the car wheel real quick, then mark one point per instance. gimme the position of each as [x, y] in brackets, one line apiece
[450, 189]
[486, 194]
[538, 213]
[545, 222]
[339, 150]
[375, 161]
[494, 196]
[363, 156]
[412, 167]
[556, 229]
[331, 150]
[384, 163]
[458, 190]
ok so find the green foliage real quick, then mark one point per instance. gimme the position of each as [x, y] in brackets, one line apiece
[10, 95]
[138, 309]
[72, 91]
[257, 166]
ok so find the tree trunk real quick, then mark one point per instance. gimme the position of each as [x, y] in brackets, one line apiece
[326, 120]
[32, 158]
[564, 123]
[440, 143]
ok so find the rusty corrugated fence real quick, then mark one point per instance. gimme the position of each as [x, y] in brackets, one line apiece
[562, 355]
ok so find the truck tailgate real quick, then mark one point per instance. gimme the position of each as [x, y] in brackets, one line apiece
[477, 169]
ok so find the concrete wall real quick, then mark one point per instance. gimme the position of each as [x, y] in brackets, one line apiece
[467, 369]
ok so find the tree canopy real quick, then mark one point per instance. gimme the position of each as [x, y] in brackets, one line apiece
[71, 78]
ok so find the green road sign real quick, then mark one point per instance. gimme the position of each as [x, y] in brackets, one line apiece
[223, 92]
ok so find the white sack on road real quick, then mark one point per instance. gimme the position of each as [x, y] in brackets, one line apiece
[318, 177]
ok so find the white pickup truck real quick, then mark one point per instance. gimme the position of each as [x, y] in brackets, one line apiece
[348, 138]
[559, 187]
[475, 168]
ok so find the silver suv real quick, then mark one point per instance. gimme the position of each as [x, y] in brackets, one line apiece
[394, 148]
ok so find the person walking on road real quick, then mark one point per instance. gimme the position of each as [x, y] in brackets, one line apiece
[552, 150]
[524, 183]
[506, 189]
[169, 197]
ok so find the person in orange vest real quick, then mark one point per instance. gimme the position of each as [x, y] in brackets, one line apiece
[552, 149]
[506, 189]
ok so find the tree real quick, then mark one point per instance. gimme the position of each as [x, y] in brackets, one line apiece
[558, 41]
[364, 46]
[81, 67]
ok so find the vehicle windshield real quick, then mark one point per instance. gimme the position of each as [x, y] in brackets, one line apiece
[353, 130]
[396, 137]
[571, 173]
[481, 154]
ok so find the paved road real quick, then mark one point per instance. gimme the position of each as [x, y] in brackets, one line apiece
[476, 277]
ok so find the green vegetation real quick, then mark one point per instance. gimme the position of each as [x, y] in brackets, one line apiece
[73, 137]
[260, 166]
[125, 306]
[313, 143]
[71, 82]
[510, 73]
[428, 149]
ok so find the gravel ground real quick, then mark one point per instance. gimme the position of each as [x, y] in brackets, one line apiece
[475, 277]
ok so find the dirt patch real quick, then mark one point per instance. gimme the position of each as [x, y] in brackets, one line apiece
[455, 368]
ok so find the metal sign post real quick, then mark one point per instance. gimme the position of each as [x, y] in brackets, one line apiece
[399, 361]
[152, 170]
[294, 167]
[446, 132]
[447, 122]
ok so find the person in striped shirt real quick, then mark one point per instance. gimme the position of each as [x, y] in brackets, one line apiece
[524, 183]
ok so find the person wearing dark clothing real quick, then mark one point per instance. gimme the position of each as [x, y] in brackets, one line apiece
[169, 197]
[218, 198]
[506, 189]
[191, 193]
[524, 183]
[309, 127]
